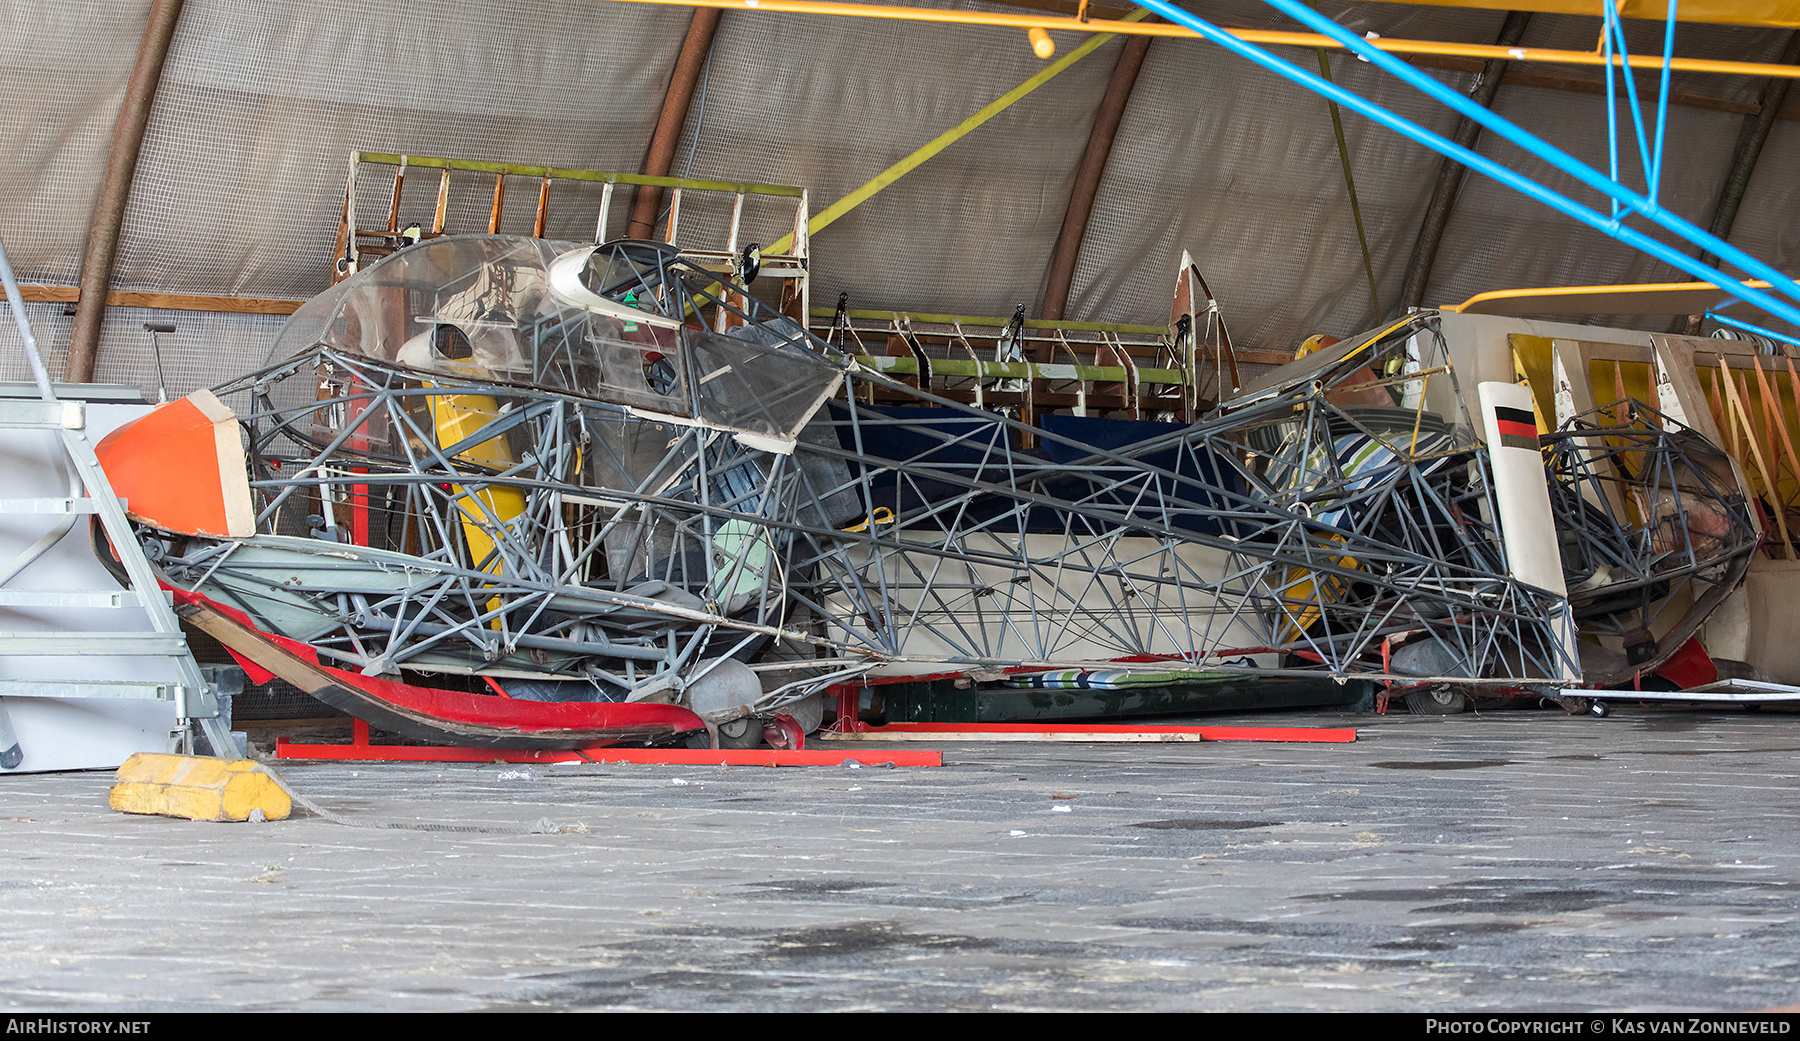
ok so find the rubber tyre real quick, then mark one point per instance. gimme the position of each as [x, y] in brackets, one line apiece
[749, 737]
[1436, 702]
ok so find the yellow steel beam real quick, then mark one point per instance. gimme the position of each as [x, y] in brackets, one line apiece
[1646, 298]
[1779, 13]
[1271, 38]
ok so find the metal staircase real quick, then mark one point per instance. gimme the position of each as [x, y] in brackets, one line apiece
[185, 683]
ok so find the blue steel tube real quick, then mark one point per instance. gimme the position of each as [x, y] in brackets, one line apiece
[1512, 132]
[1757, 329]
[1614, 32]
[1654, 171]
[1612, 113]
[1480, 163]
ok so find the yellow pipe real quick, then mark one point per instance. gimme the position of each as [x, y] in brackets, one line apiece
[456, 417]
[1262, 37]
[1632, 295]
[1784, 14]
[948, 137]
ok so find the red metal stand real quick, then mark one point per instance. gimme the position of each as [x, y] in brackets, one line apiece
[849, 707]
[1317, 735]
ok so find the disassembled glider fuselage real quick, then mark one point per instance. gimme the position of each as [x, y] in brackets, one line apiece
[488, 473]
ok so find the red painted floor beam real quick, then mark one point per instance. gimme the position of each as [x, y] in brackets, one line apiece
[1324, 735]
[285, 749]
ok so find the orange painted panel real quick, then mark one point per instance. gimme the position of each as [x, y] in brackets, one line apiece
[181, 469]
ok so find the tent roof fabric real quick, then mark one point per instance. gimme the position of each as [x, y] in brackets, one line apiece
[240, 184]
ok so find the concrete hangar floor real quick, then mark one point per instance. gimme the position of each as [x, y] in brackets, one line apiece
[1515, 860]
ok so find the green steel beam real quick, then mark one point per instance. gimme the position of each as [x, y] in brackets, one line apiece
[1030, 323]
[560, 174]
[1017, 370]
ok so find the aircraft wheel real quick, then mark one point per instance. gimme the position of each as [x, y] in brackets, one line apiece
[1436, 701]
[740, 733]
[1599, 708]
[809, 712]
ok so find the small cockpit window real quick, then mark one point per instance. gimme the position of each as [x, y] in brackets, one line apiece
[660, 374]
[452, 343]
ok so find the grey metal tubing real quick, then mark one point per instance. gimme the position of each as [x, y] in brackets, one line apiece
[17, 303]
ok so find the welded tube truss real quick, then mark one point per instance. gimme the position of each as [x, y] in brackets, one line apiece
[420, 566]
[625, 552]
[1645, 509]
[1622, 199]
[1650, 155]
[1024, 19]
[541, 521]
[1293, 525]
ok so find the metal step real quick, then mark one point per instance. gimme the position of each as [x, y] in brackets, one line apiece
[135, 690]
[42, 415]
[102, 598]
[59, 643]
[62, 506]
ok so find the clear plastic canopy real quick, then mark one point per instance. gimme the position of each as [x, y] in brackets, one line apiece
[490, 308]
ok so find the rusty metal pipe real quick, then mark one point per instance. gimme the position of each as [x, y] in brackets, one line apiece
[1061, 273]
[646, 199]
[115, 190]
[1450, 172]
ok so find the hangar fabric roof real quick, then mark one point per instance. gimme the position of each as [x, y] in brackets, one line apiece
[240, 185]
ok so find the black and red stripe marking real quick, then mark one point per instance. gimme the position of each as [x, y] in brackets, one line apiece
[1517, 427]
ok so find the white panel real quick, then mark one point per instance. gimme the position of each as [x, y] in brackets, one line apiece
[1522, 495]
[1527, 525]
